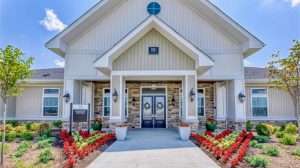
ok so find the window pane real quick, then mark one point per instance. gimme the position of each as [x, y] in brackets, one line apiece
[106, 101]
[200, 91]
[51, 91]
[200, 111]
[50, 111]
[260, 111]
[106, 111]
[259, 91]
[126, 103]
[259, 102]
[50, 101]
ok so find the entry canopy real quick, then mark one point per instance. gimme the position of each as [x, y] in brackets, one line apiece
[104, 61]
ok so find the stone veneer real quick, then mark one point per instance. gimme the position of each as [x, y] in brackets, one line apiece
[98, 101]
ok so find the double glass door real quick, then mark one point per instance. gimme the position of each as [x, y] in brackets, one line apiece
[153, 112]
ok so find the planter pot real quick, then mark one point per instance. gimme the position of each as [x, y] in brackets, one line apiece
[184, 133]
[121, 133]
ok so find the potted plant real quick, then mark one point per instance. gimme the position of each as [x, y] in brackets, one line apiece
[184, 131]
[121, 131]
[211, 124]
[97, 124]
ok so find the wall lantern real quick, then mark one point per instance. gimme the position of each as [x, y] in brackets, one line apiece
[242, 97]
[115, 96]
[173, 100]
[133, 101]
[192, 94]
[67, 97]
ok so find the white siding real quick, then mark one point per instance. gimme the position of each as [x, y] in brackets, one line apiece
[170, 57]
[280, 103]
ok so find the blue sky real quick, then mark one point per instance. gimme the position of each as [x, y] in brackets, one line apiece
[29, 24]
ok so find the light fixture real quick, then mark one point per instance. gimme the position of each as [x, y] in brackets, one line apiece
[133, 101]
[115, 96]
[67, 97]
[192, 95]
[242, 97]
[173, 100]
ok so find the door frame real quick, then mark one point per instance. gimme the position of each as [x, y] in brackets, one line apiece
[166, 99]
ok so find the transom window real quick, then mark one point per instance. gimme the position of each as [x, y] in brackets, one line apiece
[201, 102]
[259, 102]
[50, 102]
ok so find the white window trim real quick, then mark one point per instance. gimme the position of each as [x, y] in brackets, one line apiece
[103, 96]
[262, 95]
[127, 101]
[58, 106]
[203, 103]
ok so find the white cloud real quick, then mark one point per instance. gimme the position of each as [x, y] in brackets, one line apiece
[52, 22]
[295, 2]
[278, 3]
[59, 63]
[247, 63]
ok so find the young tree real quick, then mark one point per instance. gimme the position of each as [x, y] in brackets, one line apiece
[13, 71]
[284, 74]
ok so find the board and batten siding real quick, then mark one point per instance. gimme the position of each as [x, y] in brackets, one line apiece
[11, 107]
[280, 104]
[169, 58]
[30, 103]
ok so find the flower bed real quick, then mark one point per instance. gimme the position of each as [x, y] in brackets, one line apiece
[80, 144]
[225, 145]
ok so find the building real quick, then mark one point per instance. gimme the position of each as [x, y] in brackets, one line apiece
[154, 64]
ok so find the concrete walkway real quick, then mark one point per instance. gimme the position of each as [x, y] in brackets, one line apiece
[153, 148]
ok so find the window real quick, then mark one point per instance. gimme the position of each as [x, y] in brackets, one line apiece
[126, 102]
[50, 102]
[201, 102]
[180, 102]
[259, 101]
[106, 102]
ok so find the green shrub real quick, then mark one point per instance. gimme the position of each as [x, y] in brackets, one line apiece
[10, 136]
[27, 136]
[255, 144]
[279, 134]
[22, 164]
[35, 127]
[6, 148]
[249, 125]
[257, 161]
[270, 127]
[262, 129]
[28, 126]
[45, 156]
[43, 127]
[276, 129]
[296, 152]
[291, 129]
[14, 123]
[8, 128]
[262, 139]
[22, 148]
[271, 151]
[45, 143]
[288, 140]
[47, 133]
[20, 129]
[282, 128]
[57, 123]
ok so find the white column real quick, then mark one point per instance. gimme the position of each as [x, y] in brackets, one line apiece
[70, 86]
[221, 100]
[236, 109]
[117, 114]
[190, 107]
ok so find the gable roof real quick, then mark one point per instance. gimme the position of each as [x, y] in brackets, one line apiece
[256, 73]
[250, 43]
[203, 61]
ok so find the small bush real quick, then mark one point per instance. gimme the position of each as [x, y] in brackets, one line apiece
[257, 161]
[14, 123]
[270, 127]
[276, 129]
[262, 139]
[279, 134]
[28, 126]
[43, 127]
[47, 133]
[6, 148]
[271, 151]
[22, 148]
[27, 136]
[296, 152]
[57, 123]
[262, 129]
[288, 140]
[45, 143]
[45, 156]
[255, 144]
[10, 136]
[8, 128]
[282, 128]
[35, 127]
[291, 129]
[22, 164]
[249, 125]
[20, 129]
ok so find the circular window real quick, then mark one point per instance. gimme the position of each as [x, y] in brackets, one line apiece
[153, 8]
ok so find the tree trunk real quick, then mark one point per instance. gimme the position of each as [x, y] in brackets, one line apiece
[3, 132]
[297, 112]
